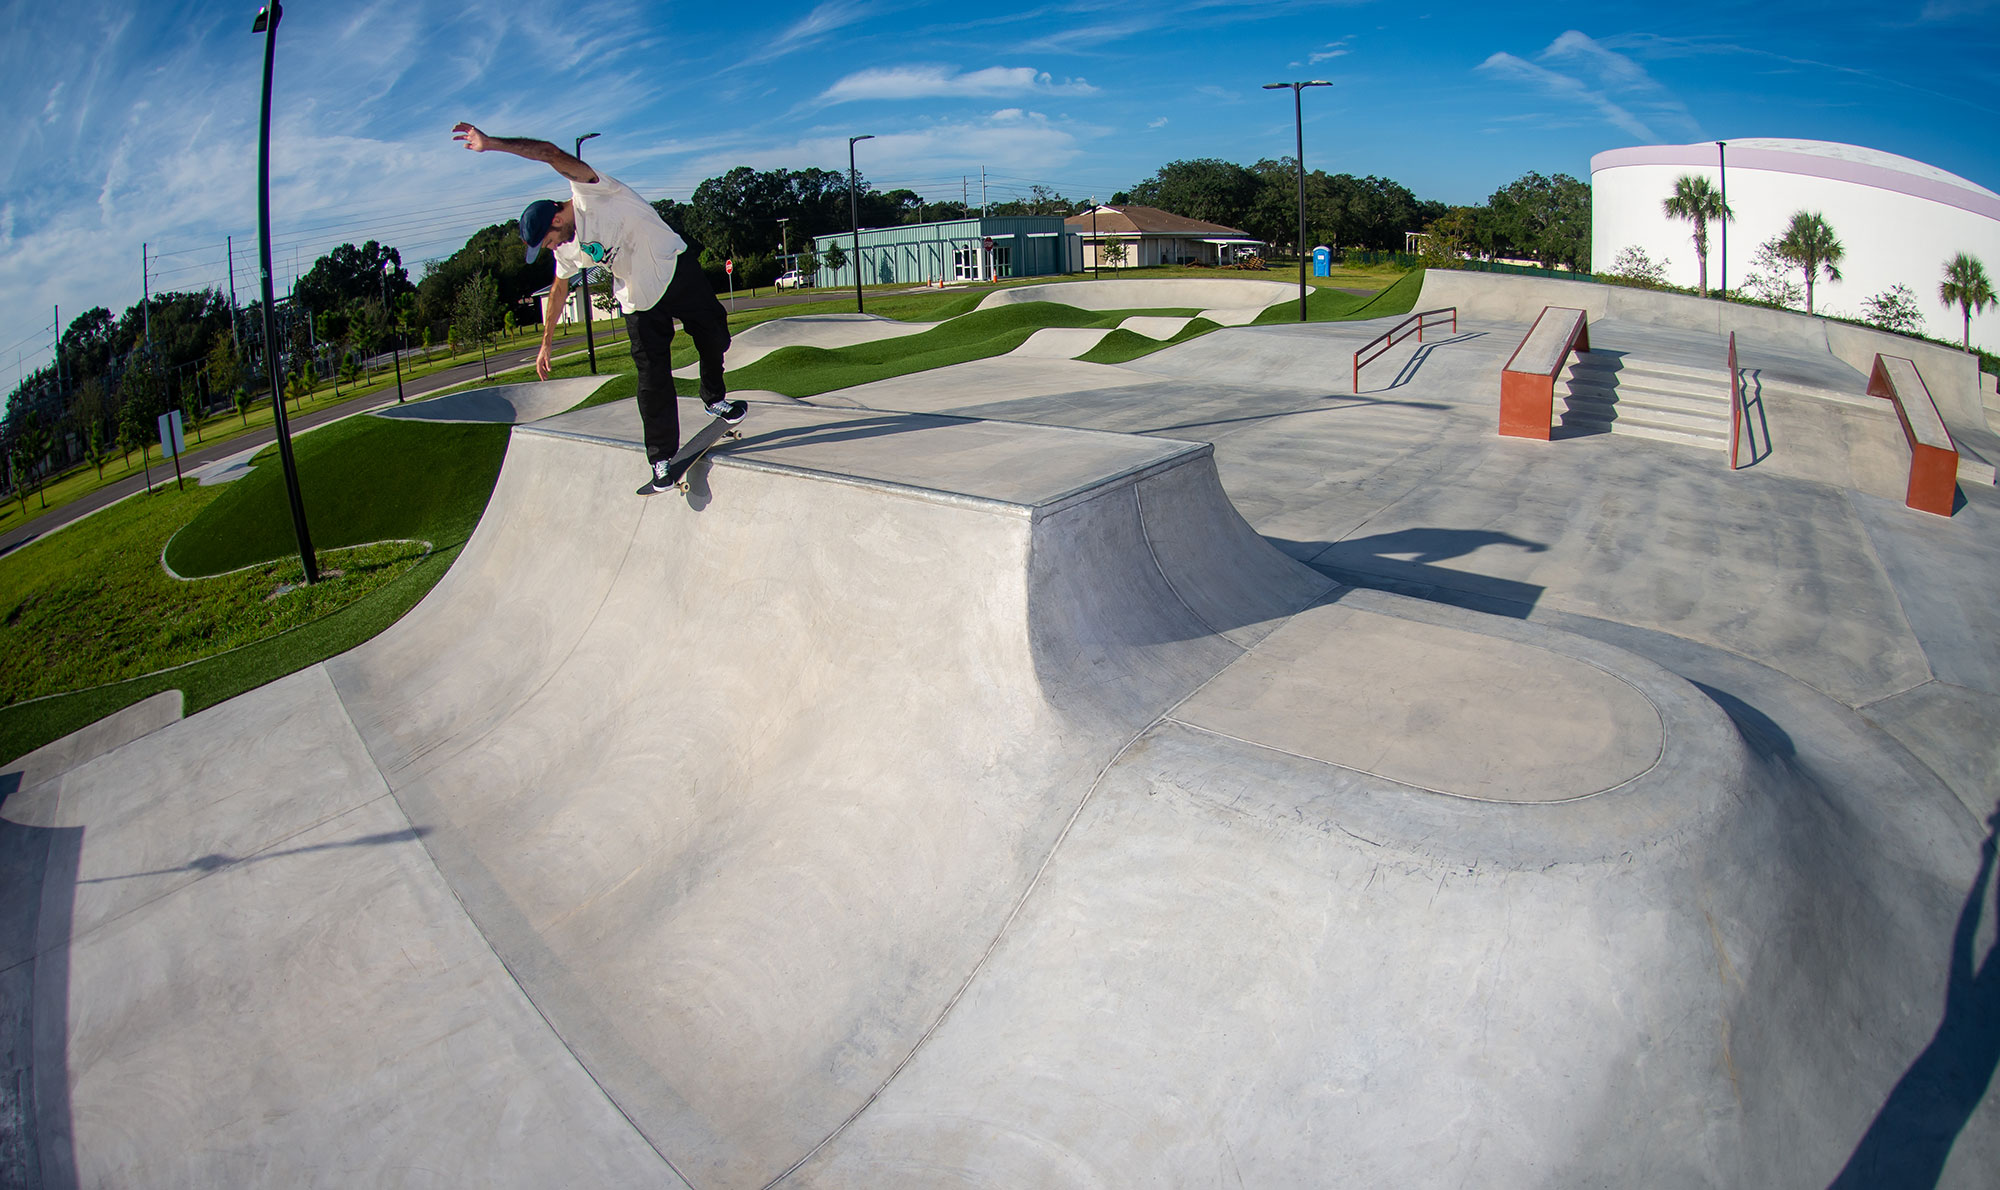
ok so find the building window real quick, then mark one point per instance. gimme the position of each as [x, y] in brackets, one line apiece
[1003, 262]
[965, 262]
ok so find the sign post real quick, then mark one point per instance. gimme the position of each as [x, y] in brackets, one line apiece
[729, 267]
[172, 442]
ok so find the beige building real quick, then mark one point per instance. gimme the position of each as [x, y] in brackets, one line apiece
[1152, 236]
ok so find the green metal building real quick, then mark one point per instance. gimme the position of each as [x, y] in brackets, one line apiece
[976, 249]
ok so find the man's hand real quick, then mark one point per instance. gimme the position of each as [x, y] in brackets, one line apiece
[542, 361]
[534, 150]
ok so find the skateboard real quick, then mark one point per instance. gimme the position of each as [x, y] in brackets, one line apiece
[692, 452]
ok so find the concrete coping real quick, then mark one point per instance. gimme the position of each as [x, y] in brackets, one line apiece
[1548, 342]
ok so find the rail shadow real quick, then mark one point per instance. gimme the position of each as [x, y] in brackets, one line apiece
[1756, 424]
[1421, 356]
[1911, 1138]
[1404, 562]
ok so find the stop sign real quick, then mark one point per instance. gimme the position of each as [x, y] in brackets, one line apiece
[729, 266]
[989, 243]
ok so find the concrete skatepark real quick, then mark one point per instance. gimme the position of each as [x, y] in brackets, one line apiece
[1031, 772]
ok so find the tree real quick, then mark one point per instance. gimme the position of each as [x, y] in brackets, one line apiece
[836, 257]
[225, 369]
[1547, 219]
[1206, 188]
[244, 399]
[1965, 286]
[1634, 267]
[94, 447]
[1811, 245]
[1697, 202]
[1114, 253]
[348, 275]
[1770, 277]
[1894, 309]
[476, 314]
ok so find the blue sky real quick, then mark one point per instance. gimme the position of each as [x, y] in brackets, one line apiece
[135, 123]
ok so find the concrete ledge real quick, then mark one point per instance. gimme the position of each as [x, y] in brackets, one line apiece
[1933, 457]
[1528, 382]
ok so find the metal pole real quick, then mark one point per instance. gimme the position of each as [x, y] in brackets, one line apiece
[267, 24]
[236, 338]
[854, 215]
[146, 296]
[1096, 245]
[395, 347]
[589, 336]
[1722, 160]
[1299, 124]
[1299, 127]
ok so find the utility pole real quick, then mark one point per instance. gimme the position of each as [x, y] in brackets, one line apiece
[1096, 245]
[229, 245]
[146, 296]
[982, 192]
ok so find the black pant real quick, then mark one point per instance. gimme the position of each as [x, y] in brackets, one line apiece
[690, 298]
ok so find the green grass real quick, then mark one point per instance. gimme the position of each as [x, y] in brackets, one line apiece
[1122, 345]
[82, 479]
[90, 611]
[1331, 305]
[362, 479]
[808, 371]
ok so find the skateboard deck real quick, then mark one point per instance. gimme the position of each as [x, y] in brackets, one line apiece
[692, 452]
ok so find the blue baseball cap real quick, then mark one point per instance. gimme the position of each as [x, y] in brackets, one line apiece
[535, 223]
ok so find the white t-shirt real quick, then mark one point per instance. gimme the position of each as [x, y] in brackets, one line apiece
[621, 232]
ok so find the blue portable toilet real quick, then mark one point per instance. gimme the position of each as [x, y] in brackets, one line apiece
[1322, 261]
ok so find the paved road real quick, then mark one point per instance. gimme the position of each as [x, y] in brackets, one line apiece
[199, 456]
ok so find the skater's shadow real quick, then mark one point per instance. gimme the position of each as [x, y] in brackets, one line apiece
[1911, 1138]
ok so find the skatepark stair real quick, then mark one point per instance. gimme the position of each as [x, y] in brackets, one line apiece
[1608, 392]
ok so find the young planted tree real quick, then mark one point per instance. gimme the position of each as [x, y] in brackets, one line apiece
[836, 257]
[1114, 253]
[95, 448]
[476, 314]
[1811, 245]
[1696, 201]
[1966, 286]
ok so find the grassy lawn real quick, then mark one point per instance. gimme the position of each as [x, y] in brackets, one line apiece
[90, 611]
[83, 479]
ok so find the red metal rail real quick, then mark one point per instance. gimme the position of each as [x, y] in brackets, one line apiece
[1735, 402]
[1396, 334]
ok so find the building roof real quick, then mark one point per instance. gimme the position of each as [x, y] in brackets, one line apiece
[1130, 220]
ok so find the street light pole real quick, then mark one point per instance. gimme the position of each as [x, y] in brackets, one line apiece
[1096, 245]
[396, 350]
[589, 338]
[854, 215]
[267, 24]
[1722, 163]
[1299, 125]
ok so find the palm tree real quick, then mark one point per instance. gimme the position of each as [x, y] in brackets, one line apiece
[1965, 285]
[1697, 202]
[1810, 244]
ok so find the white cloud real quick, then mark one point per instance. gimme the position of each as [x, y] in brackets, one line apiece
[928, 82]
[1159, 123]
[813, 28]
[1598, 78]
[1007, 140]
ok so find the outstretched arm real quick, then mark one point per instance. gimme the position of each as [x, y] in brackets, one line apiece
[534, 150]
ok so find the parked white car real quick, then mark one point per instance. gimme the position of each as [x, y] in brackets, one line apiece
[793, 280]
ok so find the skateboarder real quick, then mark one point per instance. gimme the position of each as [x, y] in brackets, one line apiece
[605, 224]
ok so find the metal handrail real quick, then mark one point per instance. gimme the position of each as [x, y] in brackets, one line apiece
[1395, 333]
[1735, 403]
